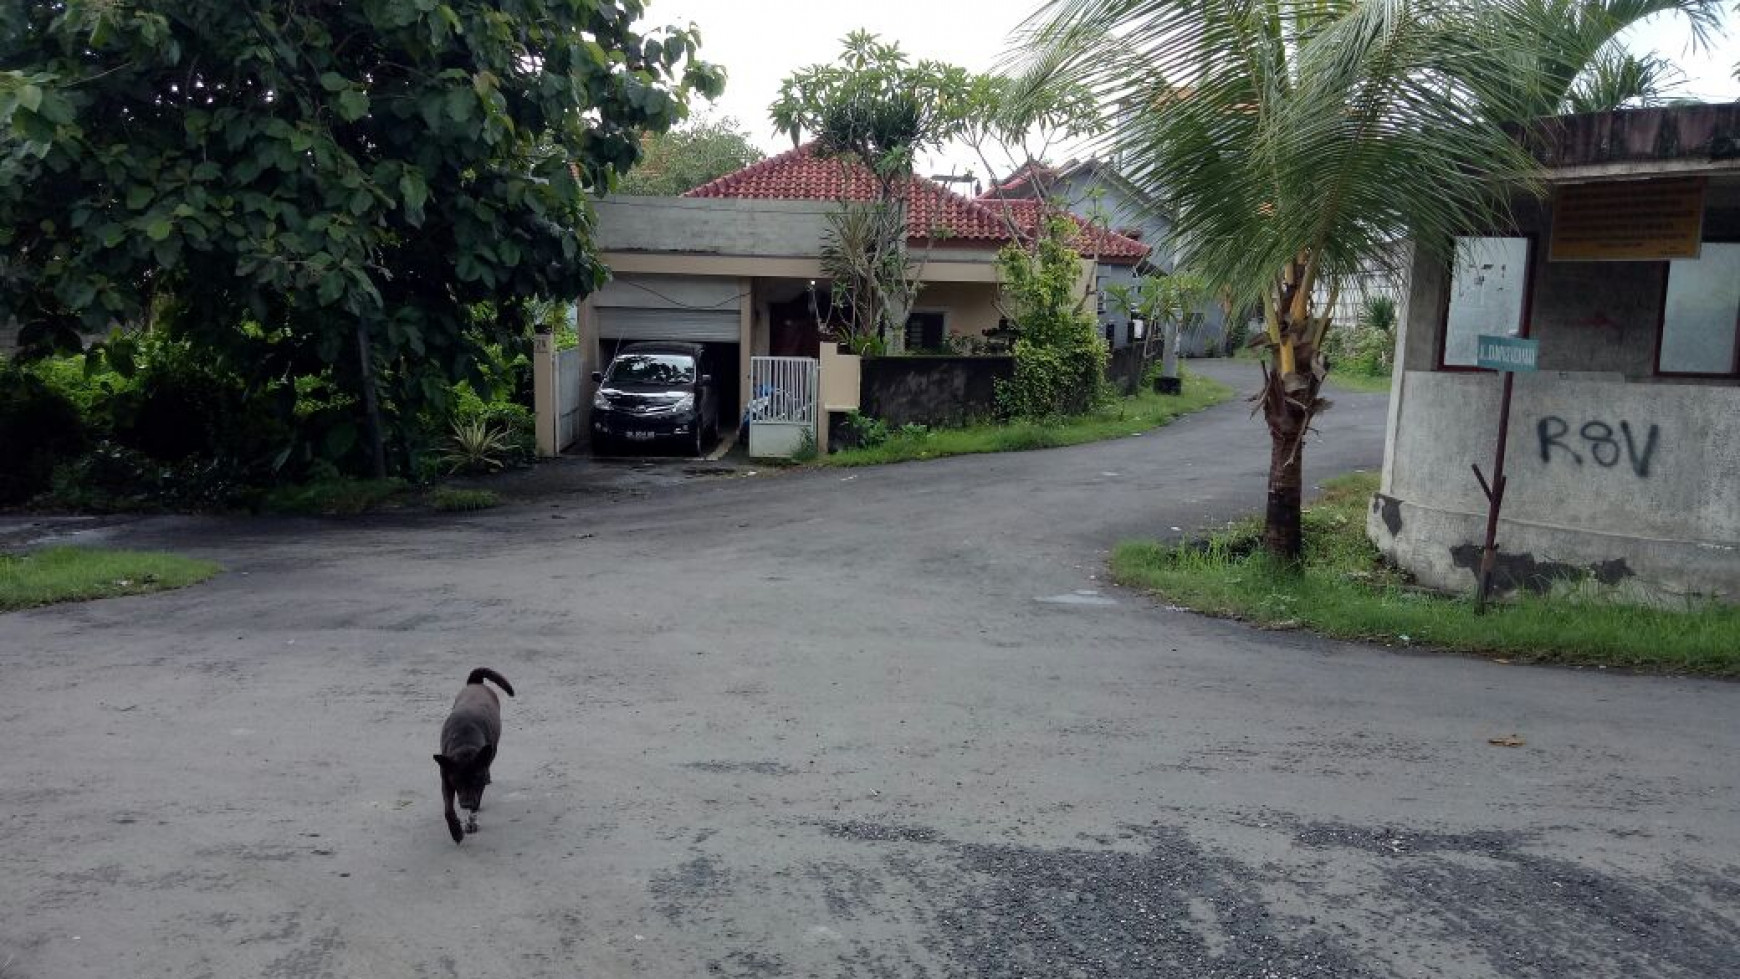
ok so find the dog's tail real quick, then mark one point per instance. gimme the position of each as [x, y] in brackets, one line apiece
[483, 673]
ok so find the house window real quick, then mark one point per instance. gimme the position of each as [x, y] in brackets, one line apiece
[925, 331]
[1488, 295]
[1700, 323]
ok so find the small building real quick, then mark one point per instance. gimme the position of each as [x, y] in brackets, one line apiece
[736, 264]
[1624, 444]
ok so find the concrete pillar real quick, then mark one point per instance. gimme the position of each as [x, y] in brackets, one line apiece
[544, 400]
[746, 305]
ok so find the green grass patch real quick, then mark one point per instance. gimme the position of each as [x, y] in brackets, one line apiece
[1362, 383]
[1346, 590]
[1123, 417]
[76, 574]
[450, 499]
[336, 496]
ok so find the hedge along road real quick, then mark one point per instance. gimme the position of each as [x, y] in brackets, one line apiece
[878, 723]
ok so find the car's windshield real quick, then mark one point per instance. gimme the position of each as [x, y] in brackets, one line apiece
[654, 369]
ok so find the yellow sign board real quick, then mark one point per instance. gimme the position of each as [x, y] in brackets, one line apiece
[1628, 221]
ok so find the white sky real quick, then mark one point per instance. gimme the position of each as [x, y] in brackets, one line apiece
[761, 41]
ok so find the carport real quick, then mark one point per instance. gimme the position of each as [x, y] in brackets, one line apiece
[710, 310]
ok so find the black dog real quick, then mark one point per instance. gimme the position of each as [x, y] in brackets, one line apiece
[468, 740]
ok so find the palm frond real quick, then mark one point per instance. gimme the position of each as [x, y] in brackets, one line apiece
[1288, 127]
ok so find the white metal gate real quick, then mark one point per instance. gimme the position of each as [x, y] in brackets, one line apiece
[784, 393]
[568, 391]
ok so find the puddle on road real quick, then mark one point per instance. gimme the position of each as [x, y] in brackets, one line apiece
[1081, 597]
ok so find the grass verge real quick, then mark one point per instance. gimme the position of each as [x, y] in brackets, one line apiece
[1362, 383]
[330, 497]
[1123, 417]
[451, 499]
[76, 574]
[1346, 591]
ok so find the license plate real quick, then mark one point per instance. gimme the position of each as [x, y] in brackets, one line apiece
[641, 436]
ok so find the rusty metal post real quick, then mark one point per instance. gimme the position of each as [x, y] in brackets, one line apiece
[1494, 497]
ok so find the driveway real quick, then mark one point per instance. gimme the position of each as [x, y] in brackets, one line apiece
[876, 723]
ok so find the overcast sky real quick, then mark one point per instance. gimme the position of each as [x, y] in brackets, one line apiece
[761, 41]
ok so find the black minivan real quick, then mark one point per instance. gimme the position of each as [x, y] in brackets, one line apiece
[655, 394]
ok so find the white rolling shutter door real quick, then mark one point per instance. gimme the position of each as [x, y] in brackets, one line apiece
[698, 309]
[697, 326]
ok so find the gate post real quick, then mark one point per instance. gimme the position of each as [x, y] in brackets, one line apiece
[545, 400]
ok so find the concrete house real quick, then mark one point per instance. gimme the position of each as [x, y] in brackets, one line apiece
[1624, 446]
[1097, 193]
[735, 264]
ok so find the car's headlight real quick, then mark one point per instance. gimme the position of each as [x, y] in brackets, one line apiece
[600, 400]
[684, 403]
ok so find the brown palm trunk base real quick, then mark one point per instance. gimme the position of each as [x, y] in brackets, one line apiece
[1282, 535]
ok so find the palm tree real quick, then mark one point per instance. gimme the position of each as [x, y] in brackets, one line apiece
[1577, 58]
[1299, 139]
[1296, 139]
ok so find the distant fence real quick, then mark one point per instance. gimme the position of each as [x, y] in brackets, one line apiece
[931, 390]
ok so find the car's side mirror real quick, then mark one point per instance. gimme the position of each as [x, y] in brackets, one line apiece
[597, 376]
[706, 379]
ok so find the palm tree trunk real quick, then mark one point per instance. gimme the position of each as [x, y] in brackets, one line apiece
[1282, 533]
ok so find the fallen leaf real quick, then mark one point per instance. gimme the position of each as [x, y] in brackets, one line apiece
[1508, 741]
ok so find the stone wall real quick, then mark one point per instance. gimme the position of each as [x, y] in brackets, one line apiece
[932, 390]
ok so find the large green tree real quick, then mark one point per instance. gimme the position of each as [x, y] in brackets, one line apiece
[1298, 139]
[370, 189]
[687, 157]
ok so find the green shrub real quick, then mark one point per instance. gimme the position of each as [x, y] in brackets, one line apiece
[1060, 359]
[516, 422]
[866, 432]
[332, 495]
[40, 428]
[450, 499]
[185, 406]
[475, 447]
[115, 478]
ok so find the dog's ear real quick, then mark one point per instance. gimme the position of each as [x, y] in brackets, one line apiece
[444, 761]
[484, 756]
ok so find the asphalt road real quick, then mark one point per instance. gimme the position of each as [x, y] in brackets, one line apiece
[883, 723]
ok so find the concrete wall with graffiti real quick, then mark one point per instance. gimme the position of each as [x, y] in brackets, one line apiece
[1622, 481]
[1619, 469]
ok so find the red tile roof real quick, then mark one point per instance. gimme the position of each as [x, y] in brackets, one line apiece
[1111, 247]
[800, 174]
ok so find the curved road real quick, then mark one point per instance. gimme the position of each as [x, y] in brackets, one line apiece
[834, 724]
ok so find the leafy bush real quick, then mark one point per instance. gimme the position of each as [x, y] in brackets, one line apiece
[517, 423]
[40, 428]
[1238, 332]
[1060, 359]
[449, 499]
[332, 495]
[476, 447]
[116, 478]
[1360, 350]
[184, 405]
[866, 432]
